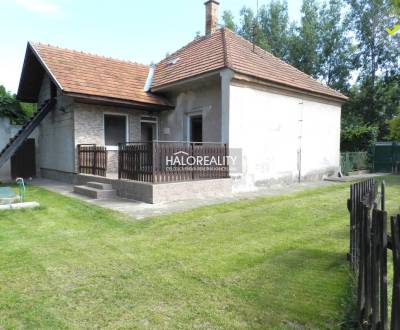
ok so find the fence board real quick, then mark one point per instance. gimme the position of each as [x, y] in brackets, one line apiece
[395, 224]
[92, 159]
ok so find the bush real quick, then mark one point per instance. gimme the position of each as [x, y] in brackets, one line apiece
[358, 138]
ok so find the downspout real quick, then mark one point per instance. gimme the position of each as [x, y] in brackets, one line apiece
[299, 150]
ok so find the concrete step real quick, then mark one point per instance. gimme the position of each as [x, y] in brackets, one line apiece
[95, 193]
[99, 185]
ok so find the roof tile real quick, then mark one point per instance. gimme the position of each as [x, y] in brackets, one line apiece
[94, 75]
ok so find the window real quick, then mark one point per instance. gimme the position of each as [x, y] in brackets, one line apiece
[115, 129]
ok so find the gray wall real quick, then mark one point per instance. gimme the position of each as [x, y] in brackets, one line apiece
[205, 100]
[55, 149]
[7, 131]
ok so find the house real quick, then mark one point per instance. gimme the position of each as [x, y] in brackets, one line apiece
[115, 121]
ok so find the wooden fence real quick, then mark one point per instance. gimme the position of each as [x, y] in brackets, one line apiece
[368, 256]
[159, 162]
[92, 159]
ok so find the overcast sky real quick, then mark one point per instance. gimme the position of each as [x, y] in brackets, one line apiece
[141, 31]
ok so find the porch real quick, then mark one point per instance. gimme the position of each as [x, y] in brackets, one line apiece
[156, 162]
[158, 171]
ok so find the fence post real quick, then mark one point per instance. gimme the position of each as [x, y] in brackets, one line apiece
[383, 267]
[383, 195]
[395, 224]
[79, 159]
[94, 160]
[153, 160]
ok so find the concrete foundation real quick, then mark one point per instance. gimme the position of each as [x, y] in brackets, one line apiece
[164, 192]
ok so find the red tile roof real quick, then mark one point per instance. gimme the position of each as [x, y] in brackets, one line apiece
[225, 49]
[95, 75]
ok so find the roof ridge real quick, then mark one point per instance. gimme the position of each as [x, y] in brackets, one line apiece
[263, 51]
[189, 44]
[225, 45]
[33, 44]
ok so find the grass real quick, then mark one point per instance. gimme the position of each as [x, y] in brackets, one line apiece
[269, 263]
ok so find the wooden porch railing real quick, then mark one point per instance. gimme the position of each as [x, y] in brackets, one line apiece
[159, 161]
[92, 159]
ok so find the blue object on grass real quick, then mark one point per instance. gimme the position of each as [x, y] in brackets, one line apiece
[7, 192]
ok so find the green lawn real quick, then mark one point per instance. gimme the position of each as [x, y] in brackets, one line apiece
[270, 263]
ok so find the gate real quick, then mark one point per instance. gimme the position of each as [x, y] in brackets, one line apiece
[92, 159]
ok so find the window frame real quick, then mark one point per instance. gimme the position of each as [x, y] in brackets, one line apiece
[189, 125]
[115, 114]
[149, 120]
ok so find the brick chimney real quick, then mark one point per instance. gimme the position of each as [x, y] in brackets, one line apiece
[211, 16]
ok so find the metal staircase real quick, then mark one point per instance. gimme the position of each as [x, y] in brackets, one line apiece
[25, 131]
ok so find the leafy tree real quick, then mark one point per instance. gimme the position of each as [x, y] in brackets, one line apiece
[304, 46]
[250, 28]
[358, 138]
[394, 127]
[274, 24]
[229, 20]
[377, 53]
[335, 57]
[18, 112]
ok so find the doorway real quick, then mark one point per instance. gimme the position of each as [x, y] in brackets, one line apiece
[148, 129]
[23, 163]
[196, 128]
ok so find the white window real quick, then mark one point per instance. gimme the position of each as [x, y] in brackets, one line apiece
[115, 129]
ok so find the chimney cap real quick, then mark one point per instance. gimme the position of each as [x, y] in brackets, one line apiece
[215, 1]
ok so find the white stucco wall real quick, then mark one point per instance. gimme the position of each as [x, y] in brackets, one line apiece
[268, 125]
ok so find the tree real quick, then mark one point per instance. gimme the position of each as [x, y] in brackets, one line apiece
[18, 112]
[394, 126]
[377, 53]
[304, 46]
[274, 23]
[229, 20]
[336, 51]
[250, 28]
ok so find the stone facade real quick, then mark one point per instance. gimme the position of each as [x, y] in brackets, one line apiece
[89, 128]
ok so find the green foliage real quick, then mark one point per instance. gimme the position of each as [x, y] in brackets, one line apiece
[358, 138]
[377, 59]
[229, 20]
[394, 127]
[357, 111]
[336, 51]
[305, 45]
[274, 24]
[16, 111]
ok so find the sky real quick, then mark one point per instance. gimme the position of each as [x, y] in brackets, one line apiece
[136, 30]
